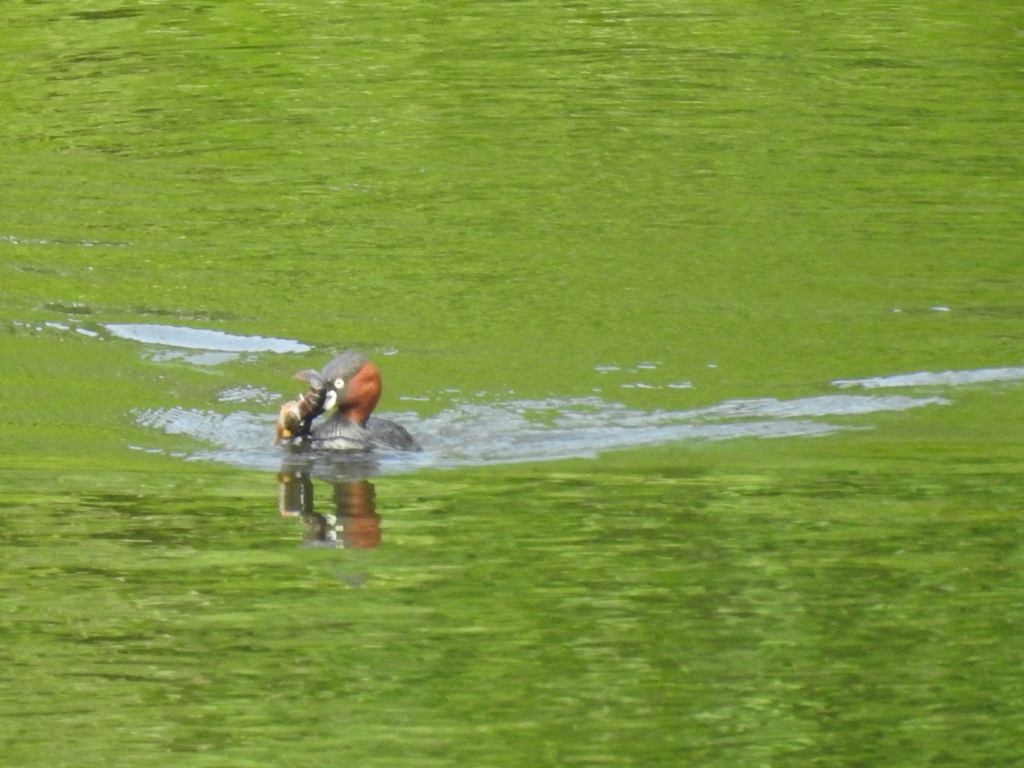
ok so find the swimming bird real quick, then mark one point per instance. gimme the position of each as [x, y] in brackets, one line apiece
[336, 413]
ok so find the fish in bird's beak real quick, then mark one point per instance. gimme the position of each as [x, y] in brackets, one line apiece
[296, 417]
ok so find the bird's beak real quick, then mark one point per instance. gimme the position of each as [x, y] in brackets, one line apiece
[331, 401]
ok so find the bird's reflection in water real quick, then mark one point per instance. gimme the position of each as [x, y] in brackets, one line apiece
[352, 521]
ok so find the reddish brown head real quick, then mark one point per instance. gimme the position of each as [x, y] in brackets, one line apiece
[353, 386]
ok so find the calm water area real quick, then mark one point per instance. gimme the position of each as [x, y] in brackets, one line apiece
[708, 315]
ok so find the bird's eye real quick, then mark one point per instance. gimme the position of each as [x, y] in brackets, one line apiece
[339, 383]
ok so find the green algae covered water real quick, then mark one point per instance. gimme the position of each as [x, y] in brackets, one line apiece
[708, 317]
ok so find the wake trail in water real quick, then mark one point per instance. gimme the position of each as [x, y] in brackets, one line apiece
[537, 430]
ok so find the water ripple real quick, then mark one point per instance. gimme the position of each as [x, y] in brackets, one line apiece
[934, 378]
[537, 430]
[201, 338]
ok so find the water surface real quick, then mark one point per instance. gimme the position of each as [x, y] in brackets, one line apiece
[708, 317]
